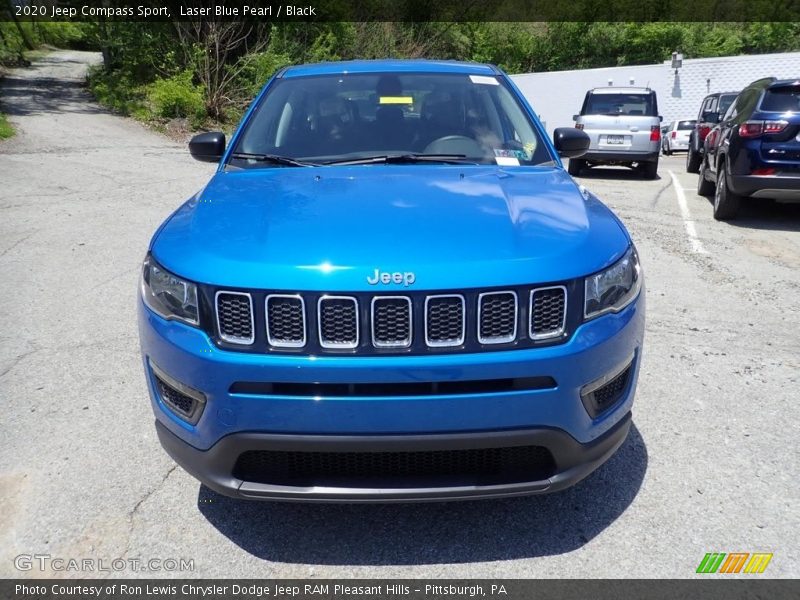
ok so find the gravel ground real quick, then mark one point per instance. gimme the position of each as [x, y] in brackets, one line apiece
[711, 463]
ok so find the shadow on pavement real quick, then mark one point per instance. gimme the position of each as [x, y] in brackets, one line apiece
[614, 173]
[766, 214]
[437, 533]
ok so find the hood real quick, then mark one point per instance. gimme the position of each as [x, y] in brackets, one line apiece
[330, 228]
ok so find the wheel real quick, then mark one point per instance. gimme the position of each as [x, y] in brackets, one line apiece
[704, 186]
[692, 160]
[726, 203]
[576, 165]
[667, 149]
[649, 169]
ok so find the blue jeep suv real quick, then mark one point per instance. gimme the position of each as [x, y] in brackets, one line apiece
[391, 290]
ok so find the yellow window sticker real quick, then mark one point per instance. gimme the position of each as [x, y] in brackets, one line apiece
[396, 100]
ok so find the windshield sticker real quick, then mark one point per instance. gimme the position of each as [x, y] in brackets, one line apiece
[507, 161]
[396, 100]
[484, 79]
[515, 154]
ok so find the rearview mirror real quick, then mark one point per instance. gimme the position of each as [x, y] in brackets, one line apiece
[208, 147]
[570, 142]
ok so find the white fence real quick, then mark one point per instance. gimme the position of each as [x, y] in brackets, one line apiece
[558, 95]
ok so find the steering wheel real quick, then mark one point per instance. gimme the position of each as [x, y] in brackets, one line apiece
[455, 144]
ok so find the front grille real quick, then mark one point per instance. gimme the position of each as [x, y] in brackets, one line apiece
[548, 312]
[444, 320]
[497, 317]
[235, 317]
[391, 322]
[338, 322]
[413, 323]
[474, 466]
[286, 321]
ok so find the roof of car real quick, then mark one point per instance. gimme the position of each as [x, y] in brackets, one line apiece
[621, 89]
[784, 82]
[390, 66]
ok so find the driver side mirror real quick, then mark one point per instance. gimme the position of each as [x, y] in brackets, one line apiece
[709, 116]
[208, 147]
[570, 142]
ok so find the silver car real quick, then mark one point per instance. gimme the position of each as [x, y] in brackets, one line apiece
[676, 136]
[624, 127]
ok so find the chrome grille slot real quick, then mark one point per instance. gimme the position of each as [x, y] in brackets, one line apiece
[338, 322]
[286, 321]
[444, 320]
[235, 317]
[391, 322]
[548, 314]
[497, 317]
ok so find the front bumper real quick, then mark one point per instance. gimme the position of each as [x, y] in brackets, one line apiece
[237, 420]
[215, 466]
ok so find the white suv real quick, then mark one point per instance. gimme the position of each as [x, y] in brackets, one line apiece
[624, 129]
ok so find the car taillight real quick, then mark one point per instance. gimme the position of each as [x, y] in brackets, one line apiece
[768, 171]
[655, 133]
[750, 129]
[578, 125]
[704, 129]
[674, 134]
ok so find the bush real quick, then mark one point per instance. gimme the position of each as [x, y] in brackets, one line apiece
[6, 131]
[177, 97]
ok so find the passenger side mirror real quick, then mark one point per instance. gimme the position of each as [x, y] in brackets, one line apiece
[575, 117]
[570, 142]
[208, 147]
[660, 118]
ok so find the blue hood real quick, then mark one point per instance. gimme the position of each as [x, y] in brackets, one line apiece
[329, 228]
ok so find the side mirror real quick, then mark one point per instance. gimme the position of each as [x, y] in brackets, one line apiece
[208, 147]
[570, 142]
[660, 118]
[575, 117]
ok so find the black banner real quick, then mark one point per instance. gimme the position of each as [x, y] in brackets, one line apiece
[702, 588]
[405, 10]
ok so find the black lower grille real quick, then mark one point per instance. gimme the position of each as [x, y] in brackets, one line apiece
[235, 317]
[475, 466]
[177, 401]
[548, 310]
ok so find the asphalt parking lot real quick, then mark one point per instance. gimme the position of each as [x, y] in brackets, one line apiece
[710, 465]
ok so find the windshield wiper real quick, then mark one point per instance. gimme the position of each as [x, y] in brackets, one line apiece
[454, 159]
[273, 158]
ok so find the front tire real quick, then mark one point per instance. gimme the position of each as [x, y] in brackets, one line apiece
[704, 186]
[576, 165]
[726, 203]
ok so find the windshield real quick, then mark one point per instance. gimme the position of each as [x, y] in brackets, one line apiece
[725, 103]
[345, 118]
[683, 125]
[605, 103]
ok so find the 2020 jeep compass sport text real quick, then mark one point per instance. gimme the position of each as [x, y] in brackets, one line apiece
[391, 290]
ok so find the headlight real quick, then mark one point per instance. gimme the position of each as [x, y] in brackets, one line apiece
[613, 289]
[168, 295]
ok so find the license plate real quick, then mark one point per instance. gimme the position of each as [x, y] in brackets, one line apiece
[615, 139]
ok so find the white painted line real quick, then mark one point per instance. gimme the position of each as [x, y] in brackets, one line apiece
[688, 223]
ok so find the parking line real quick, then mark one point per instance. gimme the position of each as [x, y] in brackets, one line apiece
[688, 223]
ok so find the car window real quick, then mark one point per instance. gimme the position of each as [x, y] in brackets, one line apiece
[326, 118]
[682, 125]
[725, 102]
[619, 104]
[782, 99]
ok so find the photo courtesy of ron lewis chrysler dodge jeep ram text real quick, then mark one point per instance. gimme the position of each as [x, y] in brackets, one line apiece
[391, 290]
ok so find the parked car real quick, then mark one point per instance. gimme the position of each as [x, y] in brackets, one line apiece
[624, 129]
[711, 110]
[755, 150]
[419, 303]
[676, 137]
